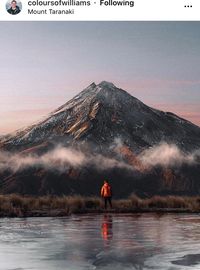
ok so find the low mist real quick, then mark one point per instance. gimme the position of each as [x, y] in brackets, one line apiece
[167, 155]
[62, 158]
[58, 159]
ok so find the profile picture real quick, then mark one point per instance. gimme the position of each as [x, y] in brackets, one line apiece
[13, 7]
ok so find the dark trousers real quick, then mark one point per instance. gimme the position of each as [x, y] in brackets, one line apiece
[106, 201]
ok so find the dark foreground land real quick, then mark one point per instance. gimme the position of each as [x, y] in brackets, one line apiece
[26, 206]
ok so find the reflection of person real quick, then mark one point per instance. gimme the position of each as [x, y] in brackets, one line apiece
[14, 9]
[106, 228]
[106, 193]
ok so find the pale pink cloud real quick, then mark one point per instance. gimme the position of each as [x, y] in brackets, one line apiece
[13, 120]
[187, 111]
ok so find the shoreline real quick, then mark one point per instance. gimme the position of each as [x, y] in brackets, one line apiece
[15, 205]
[65, 213]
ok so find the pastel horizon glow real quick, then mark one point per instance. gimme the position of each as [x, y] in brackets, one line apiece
[44, 64]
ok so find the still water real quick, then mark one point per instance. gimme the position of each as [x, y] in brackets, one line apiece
[102, 242]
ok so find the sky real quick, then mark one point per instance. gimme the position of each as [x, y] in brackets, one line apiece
[44, 64]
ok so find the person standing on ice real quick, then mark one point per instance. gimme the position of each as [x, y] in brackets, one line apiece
[106, 194]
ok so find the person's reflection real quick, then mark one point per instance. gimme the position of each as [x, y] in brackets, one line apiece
[106, 229]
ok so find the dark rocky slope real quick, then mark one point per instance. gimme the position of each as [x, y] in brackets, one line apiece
[104, 121]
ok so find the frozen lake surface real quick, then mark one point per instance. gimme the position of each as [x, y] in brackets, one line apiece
[112, 241]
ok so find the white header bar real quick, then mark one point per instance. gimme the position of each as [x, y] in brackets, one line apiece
[100, 10]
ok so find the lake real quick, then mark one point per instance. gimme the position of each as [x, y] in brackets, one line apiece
[104, 241]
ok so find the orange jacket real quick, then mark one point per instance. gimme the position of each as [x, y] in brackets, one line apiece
[106, 190]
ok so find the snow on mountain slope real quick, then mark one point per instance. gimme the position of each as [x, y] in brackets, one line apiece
[109, 130]
[100, 114]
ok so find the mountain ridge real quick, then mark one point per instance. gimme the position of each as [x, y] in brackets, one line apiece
[78, 116]
[109, 130]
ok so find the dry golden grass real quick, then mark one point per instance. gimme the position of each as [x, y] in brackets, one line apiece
[17, 205]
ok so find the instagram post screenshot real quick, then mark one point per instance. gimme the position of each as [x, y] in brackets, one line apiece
[99, 134]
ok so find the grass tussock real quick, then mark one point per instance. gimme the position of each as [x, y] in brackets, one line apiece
[15, 205]
[159, 202]
[19, 206]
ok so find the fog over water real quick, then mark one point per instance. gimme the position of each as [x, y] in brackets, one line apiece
[106, 241]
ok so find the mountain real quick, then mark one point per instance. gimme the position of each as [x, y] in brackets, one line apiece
[107, 124]
[103, 112]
